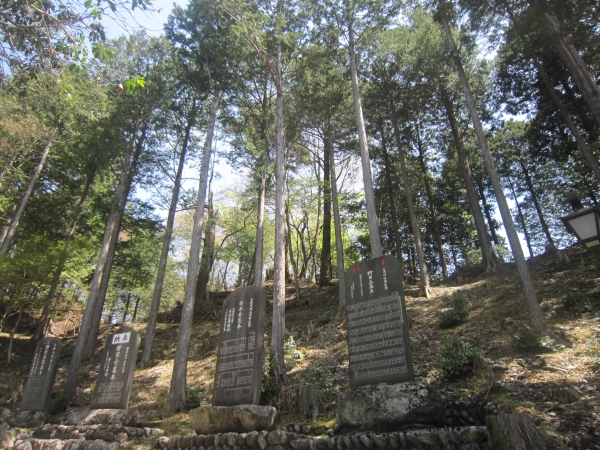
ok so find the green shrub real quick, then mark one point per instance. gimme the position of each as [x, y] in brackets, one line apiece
[318, 377]
[271, 385]
[456, 357]
[193, 399]
[291, 354]
[458, 310]
[526, 339]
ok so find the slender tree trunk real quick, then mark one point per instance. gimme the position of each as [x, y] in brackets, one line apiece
[164, 255]
[292, 259]
[488, 256]
[536, 203]
[260, 223]
[581, 74]
[315, 246]
[12, 334]
[178, 380]
[135, 309]
[208, 253]
[434, 222]
[581, 142]
[533, 307]
[337, 223]
[325, 272]
[390, 191]
[86, 321]
[424, 284]
[64, 255]
[250, 280]
[521, 217]
[7, 219]
[91, 340]
[487, 208]
[126, 311]
[376, 249]
[278, 325]
[12, 229]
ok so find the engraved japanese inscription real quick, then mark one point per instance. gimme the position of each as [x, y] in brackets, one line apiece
[115, 376]
[378, 341]
[238, 375]
[38, 388]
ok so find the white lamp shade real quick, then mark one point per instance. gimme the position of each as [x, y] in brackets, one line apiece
[585, 228]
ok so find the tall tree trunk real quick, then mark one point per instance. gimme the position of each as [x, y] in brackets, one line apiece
[488, 256]
[135, 309]
[208, 253]
[7, 221]
[533, 307]
[12, 334]
[569, 55]
[488, 213]
[12, 229]
[521, 217]
[291, 250]
[534, 199]
[434, 222]
[126, 311]
[581, 142]
[92, 338]
[337, 223]
[64, 255]
[278, 324]
[315, 246]
[86, 321]
[325, 272]
[390, 191]
[424, 284]
[376, 249]
[164, 255]
[178, 380]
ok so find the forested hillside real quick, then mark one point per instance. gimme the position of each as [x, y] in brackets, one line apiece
[278, 143]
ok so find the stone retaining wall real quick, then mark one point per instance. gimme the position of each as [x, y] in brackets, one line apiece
[465, 438]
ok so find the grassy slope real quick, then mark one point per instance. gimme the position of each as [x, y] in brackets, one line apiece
[569, 295]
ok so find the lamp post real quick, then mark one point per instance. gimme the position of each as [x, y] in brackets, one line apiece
[584, 223]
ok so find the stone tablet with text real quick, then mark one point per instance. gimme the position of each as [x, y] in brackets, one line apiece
[238, 376]
[115, 376]
[38, 388]
[378, 341]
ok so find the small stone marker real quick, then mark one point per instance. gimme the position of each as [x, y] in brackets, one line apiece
[115, 376]
[378, 341]
[238, 376]
[38, 389]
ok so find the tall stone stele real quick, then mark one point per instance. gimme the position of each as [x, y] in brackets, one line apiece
[115, 375]
[238, 376]
[36, 397]
[378, 341]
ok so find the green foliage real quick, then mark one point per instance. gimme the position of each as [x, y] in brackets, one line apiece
[271, 385]
[456, 357]
[527, 340]
[319, 378]
[458, 307]
[193, 398]
[291, 353]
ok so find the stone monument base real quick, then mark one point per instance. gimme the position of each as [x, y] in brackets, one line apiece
[30, 419]
[383, 407]
[239, 419]
[87, 416]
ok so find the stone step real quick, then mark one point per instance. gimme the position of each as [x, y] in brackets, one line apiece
[460, 438]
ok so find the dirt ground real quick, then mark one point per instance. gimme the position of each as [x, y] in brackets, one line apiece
[558, 387]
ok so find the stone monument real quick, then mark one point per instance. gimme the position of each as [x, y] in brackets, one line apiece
[378, 341]
[115, 376]
[238, 376]
[38, 388]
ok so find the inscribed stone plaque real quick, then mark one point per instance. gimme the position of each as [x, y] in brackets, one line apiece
[115, 376]
[238, 376]
[378, 342]
[38, 388]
